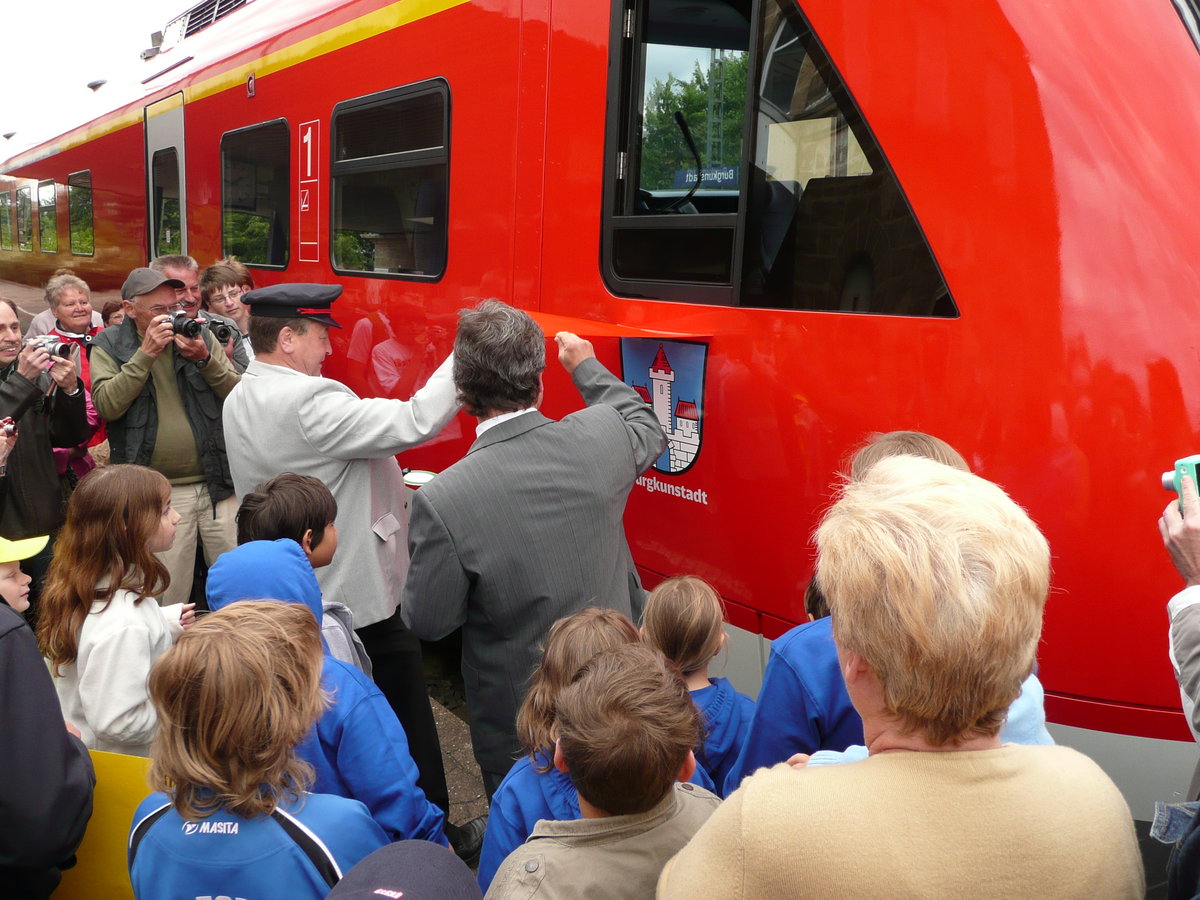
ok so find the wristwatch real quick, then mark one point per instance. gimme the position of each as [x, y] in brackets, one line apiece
[201, 363]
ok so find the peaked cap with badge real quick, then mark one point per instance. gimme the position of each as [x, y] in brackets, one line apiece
[295, 301]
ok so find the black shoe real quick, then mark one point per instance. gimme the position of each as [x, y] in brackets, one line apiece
[467, 840]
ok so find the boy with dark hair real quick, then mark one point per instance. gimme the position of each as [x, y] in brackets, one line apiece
[300, 508]
[293, 506]
[626, 727]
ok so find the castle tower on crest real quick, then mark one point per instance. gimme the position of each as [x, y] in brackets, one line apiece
[662, 376]
[681, 422]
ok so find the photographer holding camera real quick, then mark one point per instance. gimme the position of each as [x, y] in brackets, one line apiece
[42, 394]
[186, 271]
[159, 380]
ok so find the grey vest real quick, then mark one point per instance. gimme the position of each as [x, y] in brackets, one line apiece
[132, 436]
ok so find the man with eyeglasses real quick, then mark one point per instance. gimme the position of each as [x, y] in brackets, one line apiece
[161, 393]
[186, 270]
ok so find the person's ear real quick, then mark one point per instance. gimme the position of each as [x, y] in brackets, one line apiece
[560, 761]
[306, 542]
[688, 769]
[286, 339]
[537, 404]
[854, 666]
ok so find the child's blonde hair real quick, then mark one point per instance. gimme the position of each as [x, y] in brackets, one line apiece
[571, 643]
[685, 621]
[112, 516]
[235, 695]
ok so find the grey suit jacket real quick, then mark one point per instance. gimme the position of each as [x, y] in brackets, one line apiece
[279, 420]
[523, 530]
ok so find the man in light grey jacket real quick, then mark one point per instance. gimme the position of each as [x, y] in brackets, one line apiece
[528, 526]
[285, 417]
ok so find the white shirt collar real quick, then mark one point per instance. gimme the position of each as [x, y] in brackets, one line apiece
[503, 417]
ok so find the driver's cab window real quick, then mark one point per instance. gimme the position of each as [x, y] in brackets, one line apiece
[692, 107]
[740, 170]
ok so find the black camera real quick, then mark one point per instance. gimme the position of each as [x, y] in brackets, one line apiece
[181, 324]
[53, 345]
[220, 331]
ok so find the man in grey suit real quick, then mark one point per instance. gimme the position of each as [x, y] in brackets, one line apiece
[287, 418]
[527, 527]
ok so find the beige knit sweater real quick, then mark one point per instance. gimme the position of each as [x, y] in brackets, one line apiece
[1010, 822]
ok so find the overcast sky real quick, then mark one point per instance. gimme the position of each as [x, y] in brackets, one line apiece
[53, 48]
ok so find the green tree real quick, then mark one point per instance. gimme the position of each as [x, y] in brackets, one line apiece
[664, 150]
[24, 219]
[352, 251]
[79, 216]
[248, 237]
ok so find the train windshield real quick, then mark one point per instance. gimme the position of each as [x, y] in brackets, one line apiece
[742, 172]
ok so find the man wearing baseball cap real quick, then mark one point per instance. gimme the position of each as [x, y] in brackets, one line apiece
[285, 417]
[160, 390]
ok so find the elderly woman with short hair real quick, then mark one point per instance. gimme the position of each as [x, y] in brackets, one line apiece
[936, 581]
[45, 321]
[70, 301]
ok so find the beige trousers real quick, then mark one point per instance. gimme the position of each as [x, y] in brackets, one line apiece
[217, 533]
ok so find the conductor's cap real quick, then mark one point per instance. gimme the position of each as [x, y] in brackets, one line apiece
[295, 301]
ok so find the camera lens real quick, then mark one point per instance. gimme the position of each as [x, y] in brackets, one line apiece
[181, 324]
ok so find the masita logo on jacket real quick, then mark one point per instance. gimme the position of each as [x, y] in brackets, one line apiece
[210, 827]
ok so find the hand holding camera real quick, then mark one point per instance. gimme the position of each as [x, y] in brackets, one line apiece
[189, 337]
[158, 335]
[8, 439]
[34, 359]
[1180, 521]
[62, 370]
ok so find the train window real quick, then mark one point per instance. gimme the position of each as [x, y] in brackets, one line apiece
[48, 216]
[80, 221]
[390, 172]
[741, 172]
[24, 218]
[6, 228]
[165, 231]
[256, 193]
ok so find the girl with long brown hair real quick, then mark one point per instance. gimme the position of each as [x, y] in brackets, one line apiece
[99, 624]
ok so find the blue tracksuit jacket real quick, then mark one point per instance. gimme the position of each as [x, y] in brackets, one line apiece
[802, 706]
[358, 747]
[727, 716]
[252, 859]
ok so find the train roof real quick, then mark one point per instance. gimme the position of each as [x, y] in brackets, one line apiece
[240, 37]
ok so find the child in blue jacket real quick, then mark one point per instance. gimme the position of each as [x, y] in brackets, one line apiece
[231, 816]
[534, 789]
[685, 621]
[358, 747]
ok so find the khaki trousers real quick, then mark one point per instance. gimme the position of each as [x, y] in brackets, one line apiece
[217, 532]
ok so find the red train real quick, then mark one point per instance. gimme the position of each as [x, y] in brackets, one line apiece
[791, 222]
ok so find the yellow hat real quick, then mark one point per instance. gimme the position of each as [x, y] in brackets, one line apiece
[13, 551]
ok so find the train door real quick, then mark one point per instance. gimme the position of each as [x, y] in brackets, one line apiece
[166, 188]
